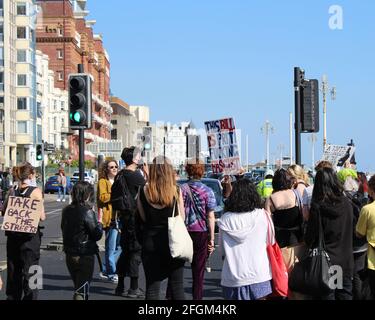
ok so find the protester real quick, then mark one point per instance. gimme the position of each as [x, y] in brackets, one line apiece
[23, 249]
[246, 273]
[301, 179]
[200, 203]
[363, 187]
[287, 218]
[157, 201]
[366, 229]
[264, 187]
[336, 214]
[130, 258]
[286, 214]
[81, 230]
[108, 172]
[62, 181]
[307, 193]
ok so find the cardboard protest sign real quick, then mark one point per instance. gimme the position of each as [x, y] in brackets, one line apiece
[338, 155]
[223, 147]
[22, 215]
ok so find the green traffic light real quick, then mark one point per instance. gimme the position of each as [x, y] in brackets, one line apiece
[77, 117]
[39, 157]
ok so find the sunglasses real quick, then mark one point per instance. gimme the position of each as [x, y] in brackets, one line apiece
[113, 167]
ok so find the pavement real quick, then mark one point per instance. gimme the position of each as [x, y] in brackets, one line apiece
[57, 284]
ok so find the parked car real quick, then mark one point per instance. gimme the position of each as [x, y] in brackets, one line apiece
[215, 185]
[52, 185]
[88, 177]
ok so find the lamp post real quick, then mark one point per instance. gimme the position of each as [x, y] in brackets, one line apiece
[325, 88]
[267, 129]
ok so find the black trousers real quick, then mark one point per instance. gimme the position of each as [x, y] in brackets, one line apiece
[346, 293]
[81, 269]
[371, 276]
[23, 252]
[360, 266]
[158, 267]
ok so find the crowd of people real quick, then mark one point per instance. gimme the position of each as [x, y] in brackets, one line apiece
[132, 207]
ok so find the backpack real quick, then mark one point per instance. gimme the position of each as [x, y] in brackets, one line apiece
[357, 201]
[121, 198]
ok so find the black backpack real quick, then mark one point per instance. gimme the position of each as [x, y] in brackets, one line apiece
[357, 201]
[121, 198]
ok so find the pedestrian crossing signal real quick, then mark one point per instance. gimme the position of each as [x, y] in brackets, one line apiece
[39, 152]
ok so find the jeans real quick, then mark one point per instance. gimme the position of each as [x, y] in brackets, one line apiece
[62, 193]
[112, 251]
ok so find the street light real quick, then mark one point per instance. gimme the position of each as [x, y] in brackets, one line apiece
[325, 88]
[267, 129]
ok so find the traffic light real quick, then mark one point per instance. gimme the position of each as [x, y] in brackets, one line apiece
[310, 106]
[147, 138]
[80, 109]
[39, 152]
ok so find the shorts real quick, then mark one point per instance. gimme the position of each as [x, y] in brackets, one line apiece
[254, 291]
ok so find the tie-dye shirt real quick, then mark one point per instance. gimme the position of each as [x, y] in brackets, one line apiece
[196, 214]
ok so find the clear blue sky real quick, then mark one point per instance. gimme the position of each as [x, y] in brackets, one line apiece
[203, 60]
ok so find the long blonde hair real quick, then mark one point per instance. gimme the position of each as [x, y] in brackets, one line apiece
[298, 173]
[161, 187]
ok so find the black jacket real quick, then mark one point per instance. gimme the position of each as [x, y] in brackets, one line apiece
[337, 221]
[80, 230]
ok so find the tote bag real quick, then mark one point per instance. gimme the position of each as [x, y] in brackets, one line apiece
[311, 275]
[180, 243]
[278, 268]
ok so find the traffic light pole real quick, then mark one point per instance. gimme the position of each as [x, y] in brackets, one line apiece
[298, 76]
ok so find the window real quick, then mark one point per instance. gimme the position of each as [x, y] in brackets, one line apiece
[21, 56]
[1, 32]
[1, 81]
[114, 134]
[60, 75]
[60, 54]
[22, 127]
[21, 103]
[55, 123]
[39, 110]
[21, 32]
[114, 122]
[62, 123]
[55, 105]
[21, 9]
[62, 106]
[22, 80]
[60, 32]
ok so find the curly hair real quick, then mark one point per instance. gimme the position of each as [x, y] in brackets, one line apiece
[244, 197]
[298, 173]
[103, 170]
[282, 180]
[371, 183]
[196, 169]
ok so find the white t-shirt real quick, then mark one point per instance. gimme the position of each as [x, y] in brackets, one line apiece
[307, 196]
[243, 238]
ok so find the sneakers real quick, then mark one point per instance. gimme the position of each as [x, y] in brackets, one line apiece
[58, 200]
[133, 294]
[103, 276]
[63, 200]
[113, 279]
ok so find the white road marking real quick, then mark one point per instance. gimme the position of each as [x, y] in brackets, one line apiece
[54, 211]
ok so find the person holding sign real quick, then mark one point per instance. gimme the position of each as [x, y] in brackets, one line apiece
[21, 224]
[81, 230]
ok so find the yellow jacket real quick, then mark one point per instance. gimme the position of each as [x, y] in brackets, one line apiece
[104, 198]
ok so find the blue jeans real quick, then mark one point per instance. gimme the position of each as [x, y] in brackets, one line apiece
[112, 251]
[62, 193]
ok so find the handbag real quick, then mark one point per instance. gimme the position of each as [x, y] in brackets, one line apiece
[180, 243]
[278, 268]
[311, 275]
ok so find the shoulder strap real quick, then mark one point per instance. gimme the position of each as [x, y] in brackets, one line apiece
[298, 197]
[273, 204]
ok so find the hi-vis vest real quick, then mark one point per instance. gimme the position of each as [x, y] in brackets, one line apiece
[265, 188]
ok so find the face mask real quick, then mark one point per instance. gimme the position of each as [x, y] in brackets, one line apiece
[30, 183]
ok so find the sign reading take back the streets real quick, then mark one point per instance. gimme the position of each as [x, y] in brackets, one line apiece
[338, 155]
[22, 215]
[222, 144]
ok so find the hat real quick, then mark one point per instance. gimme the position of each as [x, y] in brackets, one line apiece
[269, 172]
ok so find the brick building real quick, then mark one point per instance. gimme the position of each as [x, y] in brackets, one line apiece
[68, 39]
